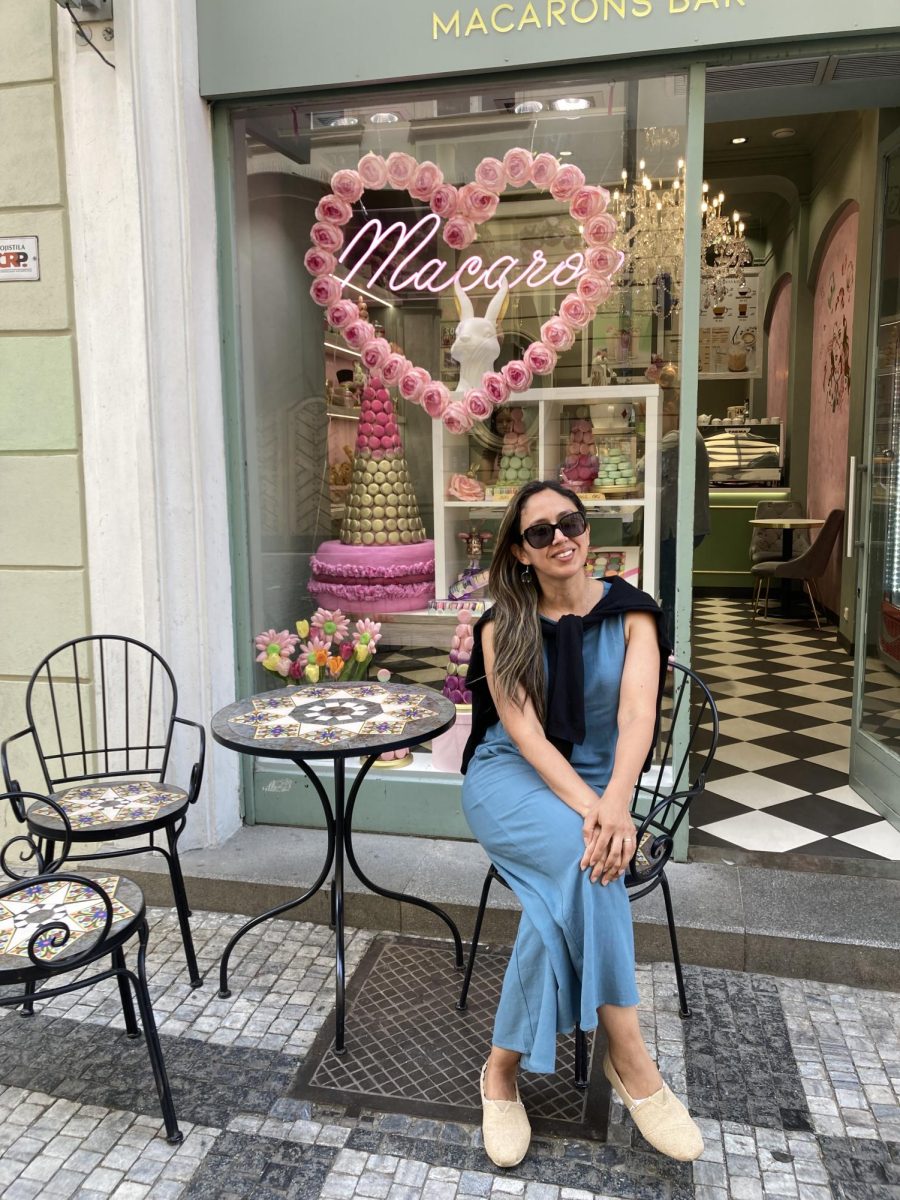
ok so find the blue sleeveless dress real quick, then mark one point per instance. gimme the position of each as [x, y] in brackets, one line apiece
[575, 947]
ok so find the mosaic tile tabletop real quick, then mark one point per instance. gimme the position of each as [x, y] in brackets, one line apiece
[334, 719]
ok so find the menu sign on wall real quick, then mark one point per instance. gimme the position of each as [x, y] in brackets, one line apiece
[730, 332]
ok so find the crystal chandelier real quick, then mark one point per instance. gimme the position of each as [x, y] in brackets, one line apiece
[723, 250]
[650, 216]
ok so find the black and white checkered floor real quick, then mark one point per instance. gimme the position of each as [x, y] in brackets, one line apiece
[780, 780]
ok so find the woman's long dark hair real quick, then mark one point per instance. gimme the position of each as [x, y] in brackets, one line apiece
[518, 648]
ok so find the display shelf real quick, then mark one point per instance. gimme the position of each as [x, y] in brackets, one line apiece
[346, 414]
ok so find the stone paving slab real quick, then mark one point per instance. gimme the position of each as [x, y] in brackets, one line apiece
[796, 1086]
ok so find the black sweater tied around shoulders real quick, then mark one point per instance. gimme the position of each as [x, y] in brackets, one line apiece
[565, 723]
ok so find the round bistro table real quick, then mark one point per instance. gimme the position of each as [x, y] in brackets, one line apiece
[787, 525]
[334, 721]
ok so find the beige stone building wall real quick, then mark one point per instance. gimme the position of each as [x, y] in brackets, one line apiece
[43, 563]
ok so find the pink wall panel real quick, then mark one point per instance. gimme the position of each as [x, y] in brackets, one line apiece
[779, 359]
[830, 400]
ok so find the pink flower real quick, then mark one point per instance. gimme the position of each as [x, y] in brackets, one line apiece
[327, 237]
[456, 419]
[539, 358]
[566, 182]
[588, 202]
[374, 353]
[557, 334]
[412, 383]
[347, 185]
[326, 290]
[518, 377]
[368, 633]
[373, 171]
[600, 230]
[477, 203]
[517, 164]
[297, 667]
[333, 624]
[495, 386]
[478, 404]
[435, 398]
[400, 170]
[427, 178]
[491, 174]
[444, 200]
[543, 171]
[576, 312]
[357, 333]
[275, 650]
[393, 367]
[594, 289]
[464, 487]
[603, 260]
[333, 209]
[459, 232]
[319, 262]
[342, 314]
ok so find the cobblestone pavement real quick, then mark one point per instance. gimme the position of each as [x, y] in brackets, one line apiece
[796, 1086]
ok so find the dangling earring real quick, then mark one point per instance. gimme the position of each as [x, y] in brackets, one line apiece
[526, 574]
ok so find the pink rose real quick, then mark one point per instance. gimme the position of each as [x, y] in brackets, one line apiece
[594, 289]
[375, 353]
[357, 333]
[478, 404]
[491, 174]
[347, 185]
[588, 202]
[400, 170]
[603, 260]
[518, 163]
[576, 312]
[566, 182]
[444, 200]
[518, 377]
[540, 358]
[342, 313]
[393, 367]
[327, 236]
[319, 262]
[543, 171]
[459, 232]
[435, 398]
[557, 334]
[373, 171]
[464, 487]
[412, 383]
[333, 209]
[427, 178]
[456, 419]
[600, 230]
[495, 386]
[326, 290]
[477, 203]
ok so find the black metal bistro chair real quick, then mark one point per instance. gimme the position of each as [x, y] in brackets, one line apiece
[101, 716]
[658, 807]
[53, 923]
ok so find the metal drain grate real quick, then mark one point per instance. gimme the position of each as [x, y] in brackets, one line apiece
[410, 1050]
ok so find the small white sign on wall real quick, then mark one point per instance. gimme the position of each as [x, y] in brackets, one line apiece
[19, 260]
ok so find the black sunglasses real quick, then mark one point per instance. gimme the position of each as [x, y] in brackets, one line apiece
[541, 534]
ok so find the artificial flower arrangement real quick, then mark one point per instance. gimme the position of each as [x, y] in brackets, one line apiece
[323, 648]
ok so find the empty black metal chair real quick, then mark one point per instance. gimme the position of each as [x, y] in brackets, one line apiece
[101, 715]
[658, 807]
[53, 923]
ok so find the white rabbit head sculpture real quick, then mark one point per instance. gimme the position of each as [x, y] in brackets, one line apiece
[476, 346]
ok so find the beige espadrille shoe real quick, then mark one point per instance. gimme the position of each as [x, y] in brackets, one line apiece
[662, 1119]
[506, 1128]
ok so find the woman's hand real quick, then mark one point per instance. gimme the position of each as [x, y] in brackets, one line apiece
[609, 837]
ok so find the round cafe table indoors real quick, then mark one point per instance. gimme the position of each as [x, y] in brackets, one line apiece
[787, 525]
[334, 721]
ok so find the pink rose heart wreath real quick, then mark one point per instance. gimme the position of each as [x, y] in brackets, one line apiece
[463, 210]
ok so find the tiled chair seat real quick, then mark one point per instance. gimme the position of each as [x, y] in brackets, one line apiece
[109, 808]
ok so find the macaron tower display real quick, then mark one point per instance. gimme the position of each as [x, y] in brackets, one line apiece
[581, 465]
[517, 465]
[617, 466]
[455, 683]
[382, 562]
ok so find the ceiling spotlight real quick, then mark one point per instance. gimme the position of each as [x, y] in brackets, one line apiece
[565, 154]
[384, 118]
[739, 141]
[570, 104]
[345, 121]
[528, 106]
[785, 132]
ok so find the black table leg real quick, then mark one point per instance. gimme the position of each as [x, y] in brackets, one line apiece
[338, 904]
[787, 553]
[224, 991]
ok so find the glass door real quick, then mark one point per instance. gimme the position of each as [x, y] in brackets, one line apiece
[875, 746]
